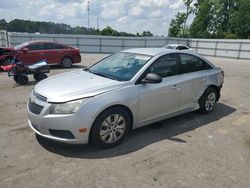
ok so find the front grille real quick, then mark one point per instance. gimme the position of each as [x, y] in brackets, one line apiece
[61, 133]
[40, 97]
[35, 108]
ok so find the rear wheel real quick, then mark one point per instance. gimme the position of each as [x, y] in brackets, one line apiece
[208, 100]
[39, 76]
[110, 128]
[67, 62]
[22, 79]
[16, 79]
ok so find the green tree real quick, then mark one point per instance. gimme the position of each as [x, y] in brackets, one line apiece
[240, 19]
[176, 25]
[206, 22]
[107, 31]
[189, 10]
[146, 34]
[3, 24]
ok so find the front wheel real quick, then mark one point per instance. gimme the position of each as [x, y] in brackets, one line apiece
[208, 100]
[110, 128]
[8, 61]
[40, 76]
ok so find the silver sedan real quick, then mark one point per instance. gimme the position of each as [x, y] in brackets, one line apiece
[124, 91]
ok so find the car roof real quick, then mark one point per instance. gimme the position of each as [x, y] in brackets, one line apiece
[147, 51]
[176, 45]
[38, 41]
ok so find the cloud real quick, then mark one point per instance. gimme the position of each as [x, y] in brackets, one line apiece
[122, 15]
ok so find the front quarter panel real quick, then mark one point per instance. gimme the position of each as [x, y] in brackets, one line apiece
[126, 96]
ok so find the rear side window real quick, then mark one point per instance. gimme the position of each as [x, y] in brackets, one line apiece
[182, 48]
[191, 63]
[51, 46]
[38, 46]
[164, 66]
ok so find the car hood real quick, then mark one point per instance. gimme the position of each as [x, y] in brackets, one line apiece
[4, 50]
[74, 85]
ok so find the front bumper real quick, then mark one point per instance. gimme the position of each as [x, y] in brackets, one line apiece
[61, 128]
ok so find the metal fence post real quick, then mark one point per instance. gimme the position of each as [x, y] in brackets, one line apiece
[145, 43]
[77, 42]
[197, 44]
[100, 45]
[215, 49]
[239, 52]
[123, 46]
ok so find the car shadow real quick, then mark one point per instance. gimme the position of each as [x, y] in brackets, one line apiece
[142, 137]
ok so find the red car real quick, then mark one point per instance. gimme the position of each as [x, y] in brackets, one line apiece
[34, 51]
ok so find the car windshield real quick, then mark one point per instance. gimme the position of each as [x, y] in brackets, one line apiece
[18, 47]
[120, 66]
[170, 47]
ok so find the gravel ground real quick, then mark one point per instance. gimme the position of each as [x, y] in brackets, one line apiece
[191, 150]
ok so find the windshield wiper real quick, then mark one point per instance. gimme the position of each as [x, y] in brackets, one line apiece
[87, 69]
[104, 75]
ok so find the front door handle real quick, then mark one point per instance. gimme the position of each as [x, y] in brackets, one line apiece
[175, 87]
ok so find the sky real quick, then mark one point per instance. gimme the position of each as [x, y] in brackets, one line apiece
[122, 15]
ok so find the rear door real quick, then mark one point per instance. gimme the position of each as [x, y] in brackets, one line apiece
[193, 74]
[160, 99]
[36, 52]
[55, 52]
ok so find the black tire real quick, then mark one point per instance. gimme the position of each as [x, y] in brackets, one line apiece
[15, 79]
[40, 76]
[67, 62]
[112, 130]
[22, 79]
[208, 100]
[7, 60]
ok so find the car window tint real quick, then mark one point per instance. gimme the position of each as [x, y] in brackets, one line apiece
[191, 63]
[39, 46]
[164, 66]
[54, 46]
[182, 48]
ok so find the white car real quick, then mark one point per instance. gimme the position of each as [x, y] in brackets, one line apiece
[123, 91]
[179, 47]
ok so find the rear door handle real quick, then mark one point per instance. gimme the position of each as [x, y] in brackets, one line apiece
[203, 79]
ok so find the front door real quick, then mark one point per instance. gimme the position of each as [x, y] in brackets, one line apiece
[160, 99]
[36, 52]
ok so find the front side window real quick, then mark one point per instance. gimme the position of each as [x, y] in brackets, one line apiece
[191, 63]
[120, 66]
[38, 46]
[164, 66]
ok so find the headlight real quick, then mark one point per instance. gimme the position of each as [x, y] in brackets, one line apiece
[67, 108]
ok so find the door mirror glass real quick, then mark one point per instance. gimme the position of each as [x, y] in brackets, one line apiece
[152, 78]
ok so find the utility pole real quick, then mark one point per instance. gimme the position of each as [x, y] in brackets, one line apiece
[88, 8]
[97, 23]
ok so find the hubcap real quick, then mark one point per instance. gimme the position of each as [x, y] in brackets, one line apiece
[112, 128]
[210, 101]
[67, 62]
[8, 61]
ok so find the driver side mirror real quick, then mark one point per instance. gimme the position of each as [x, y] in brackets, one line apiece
[152, 78]
[25, 50]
